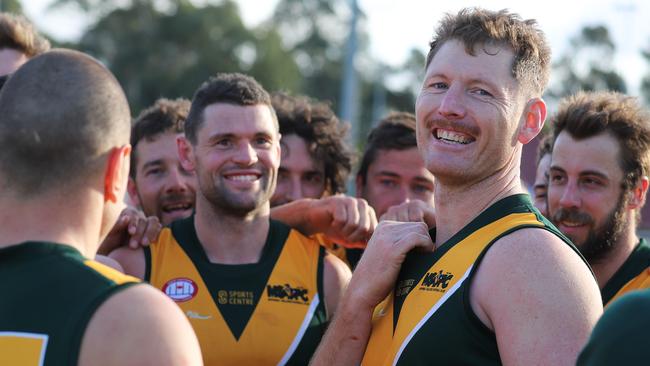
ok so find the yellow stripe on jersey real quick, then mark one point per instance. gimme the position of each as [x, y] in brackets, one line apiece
[110, 273]
[640, 282]
[423, 300]
[22, 349]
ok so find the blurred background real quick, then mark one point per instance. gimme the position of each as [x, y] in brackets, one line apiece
[365, 57]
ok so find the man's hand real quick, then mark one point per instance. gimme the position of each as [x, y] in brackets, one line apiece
[377, 271]
[133, 229]
[347, 221]
[412, 211]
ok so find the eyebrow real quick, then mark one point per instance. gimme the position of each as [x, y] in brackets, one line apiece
[582, 173]
[152, 163]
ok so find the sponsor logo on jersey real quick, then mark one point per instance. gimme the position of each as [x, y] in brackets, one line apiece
[180, 289]
[436, 281]
[287, 293]
[194, 315]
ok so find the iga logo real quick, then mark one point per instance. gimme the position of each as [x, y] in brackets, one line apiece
[180, 289]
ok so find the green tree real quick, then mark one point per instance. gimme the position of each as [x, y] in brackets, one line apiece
[168, 48]
[11, 6]
[587, 65]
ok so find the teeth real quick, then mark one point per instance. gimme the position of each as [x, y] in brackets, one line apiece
[571, 223]
[452, 137]
[243, 178]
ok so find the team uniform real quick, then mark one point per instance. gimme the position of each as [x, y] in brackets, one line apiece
[634, 274]
[428, 318]
[267, 313]
[349, 256]
[49, 294]
[619, 335]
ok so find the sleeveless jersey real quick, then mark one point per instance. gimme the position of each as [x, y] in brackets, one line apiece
[267, 313]
[349, 256]
[634, 274]
[49, 294]
[428, 318]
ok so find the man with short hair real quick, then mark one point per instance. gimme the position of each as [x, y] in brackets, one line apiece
[19, 41]
[392, 171]
[598, 182]
[502, 286]
[238, 275]
[540, 186]
[64, 129]
[158, 183]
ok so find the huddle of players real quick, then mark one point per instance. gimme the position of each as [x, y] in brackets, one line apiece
[208, 169]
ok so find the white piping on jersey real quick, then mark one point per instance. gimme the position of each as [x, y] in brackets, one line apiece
[301, 331]
[430, 313]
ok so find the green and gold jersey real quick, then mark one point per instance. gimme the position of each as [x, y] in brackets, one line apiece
[267, 313]
[428, 318]
[634, 274]
[49, 293]
[349, 256]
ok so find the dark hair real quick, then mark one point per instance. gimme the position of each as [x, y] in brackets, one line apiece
[324, 134]
[16, 32]
[545, 146]
[479, 27]
[233, 88]
[61, 114]
[395, 132]
[163, 116]
[586, 115]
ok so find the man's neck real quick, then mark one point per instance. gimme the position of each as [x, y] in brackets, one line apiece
[231, 239]
[607, 267]
[74, 221]
[458, 205]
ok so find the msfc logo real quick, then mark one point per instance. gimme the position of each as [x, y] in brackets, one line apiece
[436, 281]
[287, 293]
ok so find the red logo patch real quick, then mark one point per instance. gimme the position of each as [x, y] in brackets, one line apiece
[180, 289]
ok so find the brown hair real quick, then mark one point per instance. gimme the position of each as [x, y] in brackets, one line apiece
[395, 132]
[16, 32]
[61, 114]
[232, 88]
[476, 27]
[163, 116]
[545, 146]
[585, 115]
[324, 134]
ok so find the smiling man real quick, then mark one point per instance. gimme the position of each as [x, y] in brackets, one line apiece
[502, 285]
[158, 183]
[255, 291]
[597, 185]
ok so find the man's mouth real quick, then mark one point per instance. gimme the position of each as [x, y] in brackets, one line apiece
[452, 137]
[174, 207]
[243, 177]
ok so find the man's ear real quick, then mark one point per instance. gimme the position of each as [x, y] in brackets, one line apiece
[133, 192]
[534, 117]
[117, 173]
[638, 193]
[185, 153]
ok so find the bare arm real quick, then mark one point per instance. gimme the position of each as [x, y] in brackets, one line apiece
[154, 332]
[345, 220]
[131, 260]
[538, 296]
[336, 276]
[347, 337]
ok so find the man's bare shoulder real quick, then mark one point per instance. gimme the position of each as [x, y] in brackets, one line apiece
[533, 288]
[138, 326]
[336, 276]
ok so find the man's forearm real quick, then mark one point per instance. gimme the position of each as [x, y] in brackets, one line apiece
[345, 341]
[294, 214]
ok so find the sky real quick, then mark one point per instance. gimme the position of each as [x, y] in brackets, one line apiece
[395, 27]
